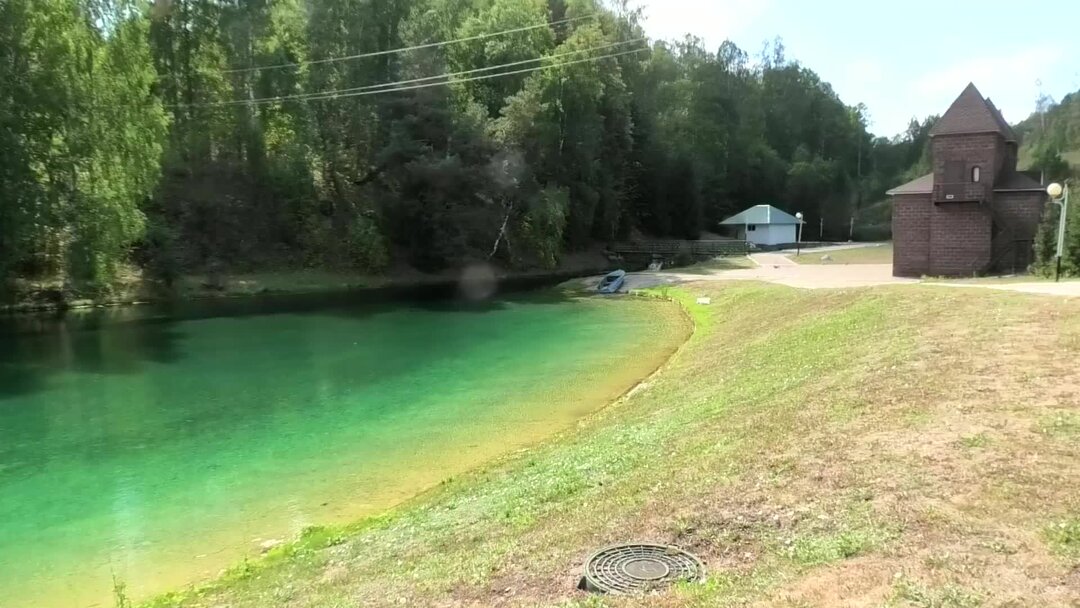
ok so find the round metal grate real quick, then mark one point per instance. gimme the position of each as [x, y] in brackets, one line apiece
[639, 568]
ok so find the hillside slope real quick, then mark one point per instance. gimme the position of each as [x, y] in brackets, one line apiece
[1060, 128]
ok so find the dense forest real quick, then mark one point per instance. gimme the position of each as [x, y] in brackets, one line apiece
[181, 136]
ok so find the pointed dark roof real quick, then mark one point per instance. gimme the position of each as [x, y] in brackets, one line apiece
[1006, 129]
[972, 113]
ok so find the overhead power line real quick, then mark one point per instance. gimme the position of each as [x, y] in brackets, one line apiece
[437, 79]
[430, 45]
[484, 77]
[334, 96]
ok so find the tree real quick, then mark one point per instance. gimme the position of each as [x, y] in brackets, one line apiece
[83, 135]
[1046, 241]
[1048, 160]
[521, 46]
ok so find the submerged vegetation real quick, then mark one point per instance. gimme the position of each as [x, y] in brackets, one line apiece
[799, 443]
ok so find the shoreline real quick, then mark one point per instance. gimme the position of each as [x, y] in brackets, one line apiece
[323, 536]
[44, 299]
[301, 299]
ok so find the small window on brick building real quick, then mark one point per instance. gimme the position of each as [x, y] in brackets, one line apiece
[976, 174]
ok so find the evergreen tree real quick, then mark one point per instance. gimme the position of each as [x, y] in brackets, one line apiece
[1046, 241]
[1071, 255]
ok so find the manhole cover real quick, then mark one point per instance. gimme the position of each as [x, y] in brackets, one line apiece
[637, 568]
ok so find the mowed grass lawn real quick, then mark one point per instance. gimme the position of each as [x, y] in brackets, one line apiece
[871, 254]
[901, 446]
[716, 264]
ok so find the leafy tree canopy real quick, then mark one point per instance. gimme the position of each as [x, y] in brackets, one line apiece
[182, 135]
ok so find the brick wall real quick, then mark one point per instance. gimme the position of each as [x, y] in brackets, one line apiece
[1021, 211]
[911, 235]
[987, 150]
[959, 239]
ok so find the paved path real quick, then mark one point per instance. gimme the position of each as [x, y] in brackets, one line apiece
[828, 248]
[772, 259]
[776, 268]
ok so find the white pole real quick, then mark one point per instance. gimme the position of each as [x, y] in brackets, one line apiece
[798, 238]
[1061, 230]
[1061, 221]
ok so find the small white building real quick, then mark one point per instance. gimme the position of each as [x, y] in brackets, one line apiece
[764, 225]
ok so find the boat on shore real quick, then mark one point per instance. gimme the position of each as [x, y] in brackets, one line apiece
[613, 282]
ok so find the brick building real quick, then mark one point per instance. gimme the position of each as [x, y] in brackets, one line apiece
[975, 213]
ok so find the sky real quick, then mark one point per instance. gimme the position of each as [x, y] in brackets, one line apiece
[902, 59]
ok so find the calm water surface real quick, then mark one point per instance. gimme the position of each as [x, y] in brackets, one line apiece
[161, 452]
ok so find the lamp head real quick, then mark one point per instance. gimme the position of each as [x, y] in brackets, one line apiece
[1055, 190]
[799, 216]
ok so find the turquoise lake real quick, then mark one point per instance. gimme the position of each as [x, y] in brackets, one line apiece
[161, 450]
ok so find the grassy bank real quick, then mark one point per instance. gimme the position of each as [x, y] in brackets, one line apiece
[873, 254]
[720, 263]
[911, 446]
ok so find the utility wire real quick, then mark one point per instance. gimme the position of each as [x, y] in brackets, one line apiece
[334, 97]
[484, 77]
[417, 47]
[398, 84]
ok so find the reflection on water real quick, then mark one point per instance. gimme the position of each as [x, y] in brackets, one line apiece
[162, 450]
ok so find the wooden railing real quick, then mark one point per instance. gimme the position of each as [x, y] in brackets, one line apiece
[670, 248]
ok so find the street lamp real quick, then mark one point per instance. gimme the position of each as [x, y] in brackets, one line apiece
[1059, 195]
[798, 240]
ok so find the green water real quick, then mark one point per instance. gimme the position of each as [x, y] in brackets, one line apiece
[161, 452]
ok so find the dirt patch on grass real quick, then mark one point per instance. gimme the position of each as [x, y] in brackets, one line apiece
[968, 475]
[861, 582]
